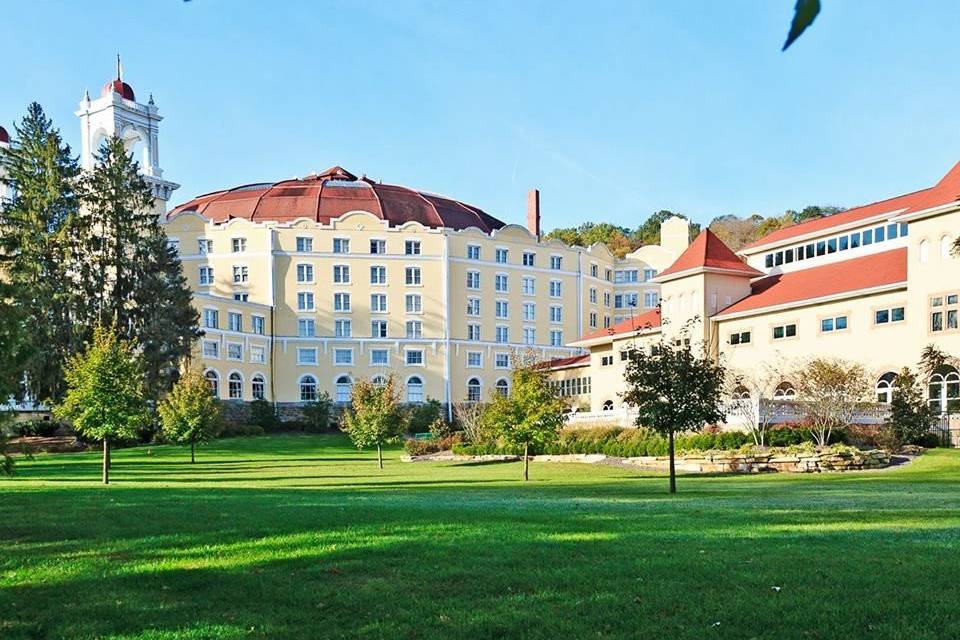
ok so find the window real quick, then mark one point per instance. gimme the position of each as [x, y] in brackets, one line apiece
[474, 359]
[838, 323]
[414, 303]
[473, 332]
[924, 251]
[378, 303]
[258, 387]
[239, 245]
[473, 252]
[944, 389]
[593, 295]
[378, 247]
[308, 389]
[258, 355]
[379, 357]
[341, 302]
[556, 338]
[593, 319]
[240, 274]
[886, 316]
[379, 381]
[501, 361]
[342, 328]
[501, 309]
[214, 381]
[502, 387]
[884, 387]
[211, 318]
[411, 247]
[413, 276]
[414, 329]
[235, 386]
[503, 334]
[529, 311]
[415, 389]
[784, 391]
[257, 324]
[305, 273]
[740, 337]
[529, 286]
[343, 356]
[832, 245]
[868, 237]
[306, 328]
[473, 390]
[204, 246]
[378, 274]
[473, 306]
[414, 357]
[500, 282]
[378, 328]
[500, 255]
[607, 406]
[473, 279]
[529, 335]
[306, 355]
[305, 301]
[341, 245]
[784, 331]
[304, 245]
[555, 288]
[844, 243]
[344, 389]
[341, 274]
[649, 274]
[608, 275]
[241, 297]
[854, 240]
[235, 321]
[606, 361]
[529, 259]
[211, 349]
[594, 270]
[556, 262]
[556, 313]
[606, 299]
[650, 299]
[206, 275]
[878, 234]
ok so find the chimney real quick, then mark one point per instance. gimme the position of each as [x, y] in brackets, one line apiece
[533, 212]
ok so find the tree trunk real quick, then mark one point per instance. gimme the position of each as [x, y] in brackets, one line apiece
[106, 461]
[380, 456]
[526, 461]
[109, 458]
[673, 469]
[193, 457]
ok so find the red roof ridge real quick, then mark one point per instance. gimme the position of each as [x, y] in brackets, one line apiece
[707, 251]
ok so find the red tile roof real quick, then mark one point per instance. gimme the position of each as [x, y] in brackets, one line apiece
[562, 363]
[848, 276]
[647, 320]
[708, 251]
[4, 136]
[331, 194]
[945, 191]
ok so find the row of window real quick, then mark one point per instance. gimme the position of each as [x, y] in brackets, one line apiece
[343, 388]
[344, 356]
[571, 387]
[258, 385]
[501, 284]
[211, 320]
[502, 334]
[234, 351]
[501, 256]
[827, 325]
[833, 245]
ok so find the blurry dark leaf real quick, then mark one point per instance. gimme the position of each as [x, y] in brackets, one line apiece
[803, 16]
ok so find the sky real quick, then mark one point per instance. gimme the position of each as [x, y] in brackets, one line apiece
[613, 110]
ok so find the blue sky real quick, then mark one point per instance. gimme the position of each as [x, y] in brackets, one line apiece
[613, 109]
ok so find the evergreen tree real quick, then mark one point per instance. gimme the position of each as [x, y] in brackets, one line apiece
[34, 249]
[911, 416]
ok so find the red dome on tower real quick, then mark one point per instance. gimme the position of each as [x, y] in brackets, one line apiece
[4, 136]
[118, 86]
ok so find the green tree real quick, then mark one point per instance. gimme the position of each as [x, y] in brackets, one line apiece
[35, 228]
[421, 416]
[530, 414]
[831, 392]
[190, 414]
[264, 415]
[911, 416]
[375, 416]
[649, 231]
[14, 337]
[674, 389]
[316, 414]
[105, 398]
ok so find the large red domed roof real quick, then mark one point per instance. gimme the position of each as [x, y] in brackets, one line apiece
[119, 86]
[4, 136]
[331, 194]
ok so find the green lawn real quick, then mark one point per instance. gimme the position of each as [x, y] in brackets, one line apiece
[302, 537]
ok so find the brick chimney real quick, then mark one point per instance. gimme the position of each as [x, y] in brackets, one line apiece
[533, 212]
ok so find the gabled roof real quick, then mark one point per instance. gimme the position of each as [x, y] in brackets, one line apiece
[708, 251]
[644, 322]
[846, 277]
[947, 190]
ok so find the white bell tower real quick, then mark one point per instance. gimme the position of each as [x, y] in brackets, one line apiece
[117, 112]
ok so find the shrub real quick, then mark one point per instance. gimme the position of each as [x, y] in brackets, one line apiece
[487, 449]
[264, 415]
[421, 416]
[316, 414]
[440, 428]
[41, 428]
[425, 447]
[241, 430]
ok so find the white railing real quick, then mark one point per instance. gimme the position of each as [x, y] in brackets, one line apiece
[623, 417]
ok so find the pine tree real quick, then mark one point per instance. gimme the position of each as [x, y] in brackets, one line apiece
[34, 249]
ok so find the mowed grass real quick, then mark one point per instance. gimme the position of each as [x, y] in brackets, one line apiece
[303, 537]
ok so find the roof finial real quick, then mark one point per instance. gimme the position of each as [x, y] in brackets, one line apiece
[119, 69]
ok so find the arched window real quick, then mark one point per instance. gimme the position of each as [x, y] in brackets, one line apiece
[502, 387]
[608, 405]
[214, 381]
[415, 389]
[924, 251]
[344, 389]
[308, 389]
[473, 390]
[740, 393]
[946, 244]
[885, 387]
[378, 381]
[235, 386]
[258, 387]
[784, 391]
[944, 389]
